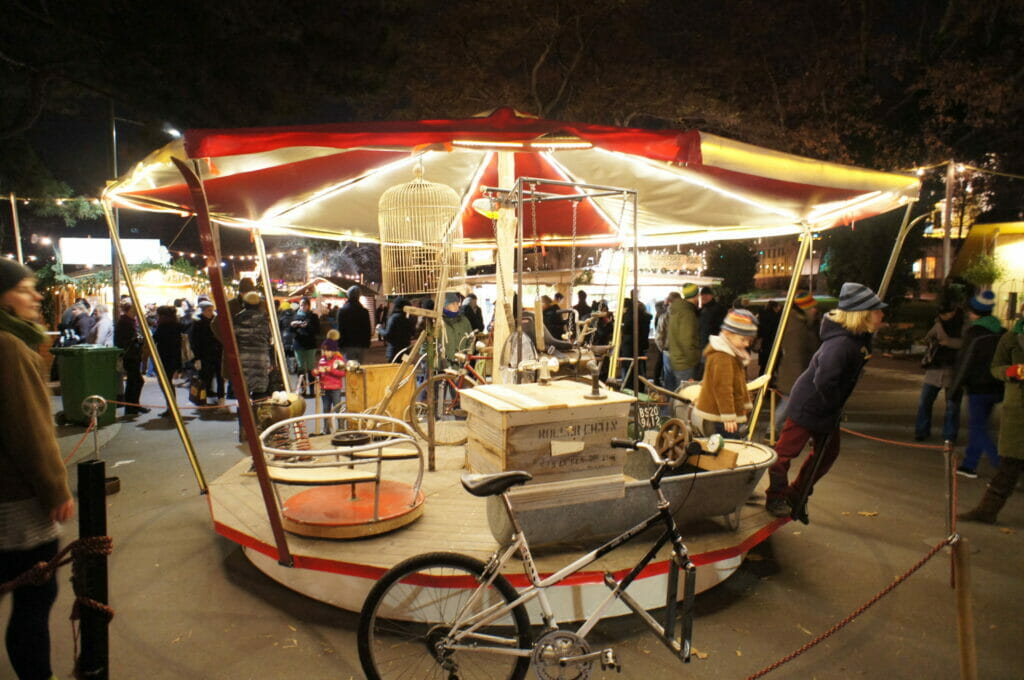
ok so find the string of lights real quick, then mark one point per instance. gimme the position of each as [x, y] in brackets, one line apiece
[249, 258]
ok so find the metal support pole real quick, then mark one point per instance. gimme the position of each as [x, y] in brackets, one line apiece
[806, 241]
[901, 237]
[268, 294]
[115, 266]
[17, 228]
[161, 374]
[92, 521]
[947, 220]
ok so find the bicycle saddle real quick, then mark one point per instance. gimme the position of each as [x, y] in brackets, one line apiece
[494, 484]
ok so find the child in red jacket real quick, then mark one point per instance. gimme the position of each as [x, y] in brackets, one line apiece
[330, 370]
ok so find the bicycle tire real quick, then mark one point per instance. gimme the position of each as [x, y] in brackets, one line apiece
[393, 643]
[449, 426]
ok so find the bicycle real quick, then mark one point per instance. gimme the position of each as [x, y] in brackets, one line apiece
[452, 616]
[445, 386]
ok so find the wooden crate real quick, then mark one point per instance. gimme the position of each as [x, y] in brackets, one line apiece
[551, 431]
[366, 388]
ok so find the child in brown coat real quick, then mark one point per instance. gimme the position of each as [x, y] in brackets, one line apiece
[724, 399]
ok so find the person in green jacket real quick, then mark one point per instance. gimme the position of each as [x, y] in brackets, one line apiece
[1008, 367]
[683, 337]
[456, 327]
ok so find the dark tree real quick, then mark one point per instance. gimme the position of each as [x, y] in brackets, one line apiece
[736, 263]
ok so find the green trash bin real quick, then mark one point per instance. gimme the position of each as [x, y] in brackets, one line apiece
[86, 370]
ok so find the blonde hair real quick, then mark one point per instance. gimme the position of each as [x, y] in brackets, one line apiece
[856, 322]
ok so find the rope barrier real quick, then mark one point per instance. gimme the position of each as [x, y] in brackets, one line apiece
[92, 424]
[933, 447]
[43, 571]
[857, 612]
[180, 406]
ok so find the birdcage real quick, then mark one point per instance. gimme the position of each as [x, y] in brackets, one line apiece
[421, 238]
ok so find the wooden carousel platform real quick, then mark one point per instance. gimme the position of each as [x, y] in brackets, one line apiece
[341, 572]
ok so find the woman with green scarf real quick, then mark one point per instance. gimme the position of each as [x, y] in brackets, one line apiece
[34, 494]
[1008, 367]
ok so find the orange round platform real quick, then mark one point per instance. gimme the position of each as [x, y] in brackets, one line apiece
[346, 510]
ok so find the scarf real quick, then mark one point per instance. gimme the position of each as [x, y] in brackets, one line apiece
[719, 343]
[989, 323]
[32, 334]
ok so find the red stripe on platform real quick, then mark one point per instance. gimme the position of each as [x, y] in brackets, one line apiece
[517, 580]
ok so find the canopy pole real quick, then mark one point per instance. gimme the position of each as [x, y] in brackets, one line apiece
[211, 251]
[268, 294]
[505, 244]
[161, 374]
[636, 320]
[806, 240]
[901, 237]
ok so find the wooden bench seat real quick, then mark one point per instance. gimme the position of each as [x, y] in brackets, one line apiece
[319, 475]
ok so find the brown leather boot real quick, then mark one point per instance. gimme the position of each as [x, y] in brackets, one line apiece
[999, 489]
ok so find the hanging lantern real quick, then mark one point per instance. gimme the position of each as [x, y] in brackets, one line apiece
[420, 237]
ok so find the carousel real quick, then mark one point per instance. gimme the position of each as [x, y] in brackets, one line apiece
[339, 498]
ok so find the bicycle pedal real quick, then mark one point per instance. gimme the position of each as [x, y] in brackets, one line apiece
[609, 661]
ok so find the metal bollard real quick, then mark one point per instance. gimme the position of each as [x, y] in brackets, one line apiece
[92, 521]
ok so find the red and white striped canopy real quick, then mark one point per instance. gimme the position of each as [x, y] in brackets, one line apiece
[326, 180]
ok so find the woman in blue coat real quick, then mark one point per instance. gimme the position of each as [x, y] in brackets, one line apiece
[818, 396]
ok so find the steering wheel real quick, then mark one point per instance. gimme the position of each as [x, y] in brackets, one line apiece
[673, 437]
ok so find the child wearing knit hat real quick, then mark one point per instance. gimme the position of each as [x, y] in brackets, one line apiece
[330, 370]
[724, 399]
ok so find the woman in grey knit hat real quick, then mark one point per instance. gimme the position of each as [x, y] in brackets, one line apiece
[34, 493]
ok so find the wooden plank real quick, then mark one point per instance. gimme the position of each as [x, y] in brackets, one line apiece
[318, 475]
[367, 387]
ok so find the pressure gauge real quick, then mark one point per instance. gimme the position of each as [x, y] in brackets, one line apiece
[715, 443]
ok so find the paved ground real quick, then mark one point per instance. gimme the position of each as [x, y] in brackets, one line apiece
[189, 605]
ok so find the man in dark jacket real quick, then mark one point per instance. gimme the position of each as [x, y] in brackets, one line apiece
[397, 334]
[643, 336]
[207, 349]
[972, 376]
[354, 326]
[817, 399]
[471, 310]
[128, 336]
[306, 327]
[712, 313]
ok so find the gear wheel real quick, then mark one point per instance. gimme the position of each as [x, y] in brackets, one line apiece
[557, 645]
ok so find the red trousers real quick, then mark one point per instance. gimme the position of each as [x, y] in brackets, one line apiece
[791, 442]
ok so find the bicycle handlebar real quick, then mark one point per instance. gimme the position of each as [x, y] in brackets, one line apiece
[633, 445]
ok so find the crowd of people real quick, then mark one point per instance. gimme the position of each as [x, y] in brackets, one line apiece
[696, 338]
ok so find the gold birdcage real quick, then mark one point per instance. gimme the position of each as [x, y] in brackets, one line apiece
[420, 237]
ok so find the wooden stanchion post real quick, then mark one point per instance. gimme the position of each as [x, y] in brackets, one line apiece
[964, 610]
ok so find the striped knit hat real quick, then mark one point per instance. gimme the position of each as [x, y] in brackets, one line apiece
[856, 297]
[690, 290]
[804, 300]
[740, 322]
[983, 301]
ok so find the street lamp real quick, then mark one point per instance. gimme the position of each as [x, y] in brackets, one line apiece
[115, 269]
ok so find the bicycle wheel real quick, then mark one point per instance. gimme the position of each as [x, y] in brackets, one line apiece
[407, 618]
[449, 420]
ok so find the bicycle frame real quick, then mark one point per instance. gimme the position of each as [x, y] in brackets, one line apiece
[465, 627]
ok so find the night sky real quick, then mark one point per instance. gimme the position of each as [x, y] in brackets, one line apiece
[885, 85]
